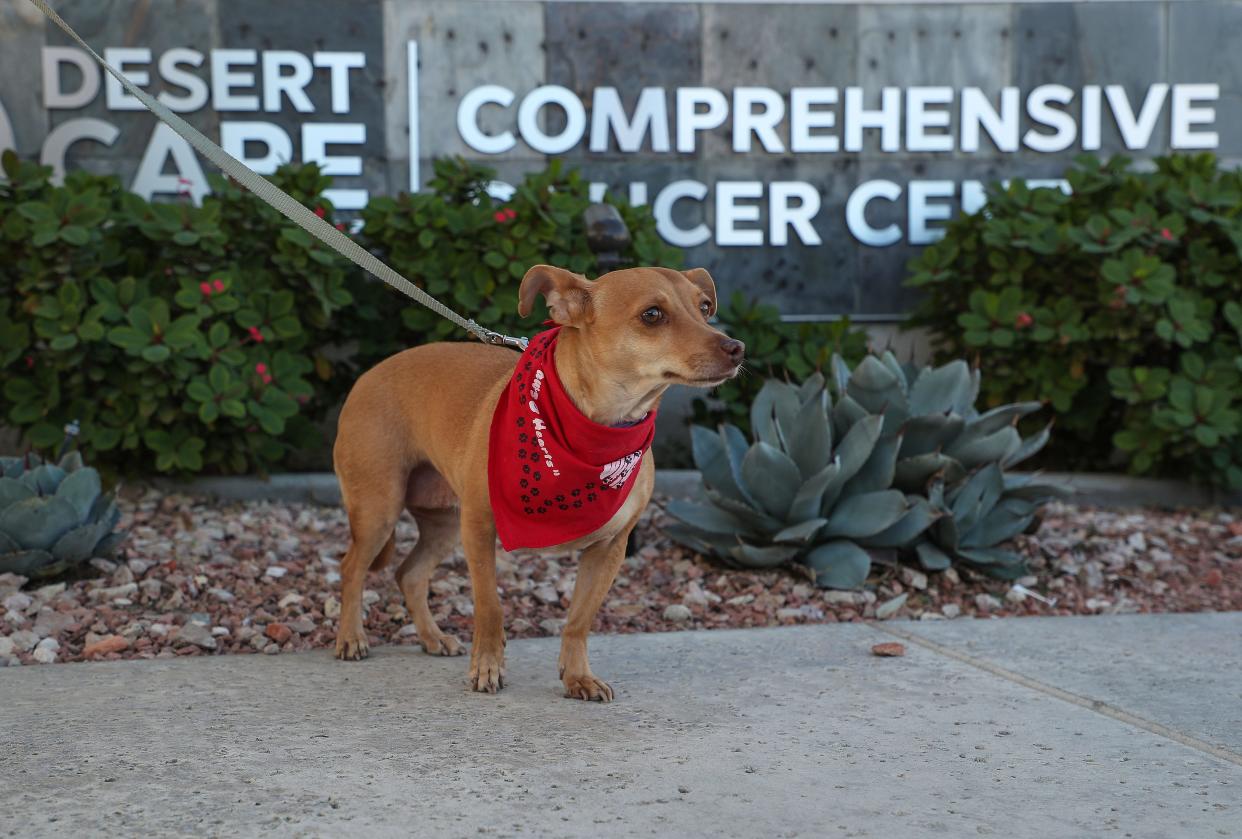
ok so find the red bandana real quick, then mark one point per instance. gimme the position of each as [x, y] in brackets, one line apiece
[553, 474]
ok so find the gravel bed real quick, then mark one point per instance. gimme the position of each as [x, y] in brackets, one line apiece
[203, 577]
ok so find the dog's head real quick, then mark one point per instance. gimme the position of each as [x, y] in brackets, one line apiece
[646, 324]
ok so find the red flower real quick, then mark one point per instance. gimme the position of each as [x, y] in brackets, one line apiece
[510, 212]
[340, 225]
[500, 217]
[1023, 320]
[267, 378]
[256, 335]
[218, 285]
[1167, 234]
[205, 288]
[30, 362]
[260, 368]
[319, 211]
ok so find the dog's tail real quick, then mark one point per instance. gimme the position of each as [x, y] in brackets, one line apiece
[386, 553]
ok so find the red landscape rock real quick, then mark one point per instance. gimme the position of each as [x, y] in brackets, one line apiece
[278, 632]
[889, 650]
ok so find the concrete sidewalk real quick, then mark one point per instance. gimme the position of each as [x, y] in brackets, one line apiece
[1126, 726]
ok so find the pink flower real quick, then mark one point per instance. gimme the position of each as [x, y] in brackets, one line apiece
[500, 217]
[260, 368]
[320, 211]
[256, 335]
[340, 225]
[1023, 320]
[510, 213]
[205, 288]
[218, 285]
[1167, 234]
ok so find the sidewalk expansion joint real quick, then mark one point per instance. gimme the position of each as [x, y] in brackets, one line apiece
[1099, 706]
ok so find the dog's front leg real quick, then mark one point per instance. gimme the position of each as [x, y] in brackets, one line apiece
[487, 651]
[596, 570]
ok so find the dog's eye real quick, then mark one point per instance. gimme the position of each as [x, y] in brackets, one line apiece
[705, 308]
[652, 315]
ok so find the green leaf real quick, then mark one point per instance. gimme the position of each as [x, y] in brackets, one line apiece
[771, 478]
[867, 514]
[74, 235]
[841, 564]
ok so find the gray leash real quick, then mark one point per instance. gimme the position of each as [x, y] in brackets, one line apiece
[285, 204]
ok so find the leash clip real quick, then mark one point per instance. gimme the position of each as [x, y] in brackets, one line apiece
[499, 340]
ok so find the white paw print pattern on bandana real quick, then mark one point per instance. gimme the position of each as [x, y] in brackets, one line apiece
[615, 474]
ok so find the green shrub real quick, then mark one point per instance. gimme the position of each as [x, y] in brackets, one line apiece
[183, 338]
[213, 339]
[773, 349]
[1117, 305]
[471, 251]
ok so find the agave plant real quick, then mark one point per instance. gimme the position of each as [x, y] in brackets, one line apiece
[916, 469]
[954, 455]
[794, 495]
[53, 516]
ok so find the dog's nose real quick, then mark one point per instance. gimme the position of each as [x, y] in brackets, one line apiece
[734, 349]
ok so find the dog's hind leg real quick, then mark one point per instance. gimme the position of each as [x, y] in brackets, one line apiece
[438, 532]
[371, 539]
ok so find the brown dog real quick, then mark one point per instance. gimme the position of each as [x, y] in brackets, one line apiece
[413, 435]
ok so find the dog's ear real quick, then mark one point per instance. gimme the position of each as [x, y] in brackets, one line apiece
[703, 280]
[568, 294]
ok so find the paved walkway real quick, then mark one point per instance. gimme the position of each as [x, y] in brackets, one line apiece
[1126, 726]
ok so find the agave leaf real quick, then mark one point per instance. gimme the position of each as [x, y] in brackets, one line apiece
[859, 442]
[756, 518]
[26, 563]
[711, 457]
[975, 499]
[777, 401]
[812, 387]
[877, 473]
[43, 479]
[931, 557]
[874, 386]
[707, 518]
[839, 564]
[942, 390]
[1030, 446]
[840, 374]
[704, 543]
[846, 414]
[110, 543]
[12, 491]
[907, 528]
[930, 433]
[807, 501]
[78, 545]
[7, 545]
[996, 562]
[810, 438]
[866, 514]
[890, 361]
[802, 532]
[736, 446]
[750, 556]
[105, 509]
[37, 523]
[993, 448]
[771, 477]
[1006, 520]
[11, 467]
[911, 474]
[80, 488]
[998, 418]
[72, 461]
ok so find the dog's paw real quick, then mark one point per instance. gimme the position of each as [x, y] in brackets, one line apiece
[354, 649]
[444, 645]
[587, 688]
[487, 673]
